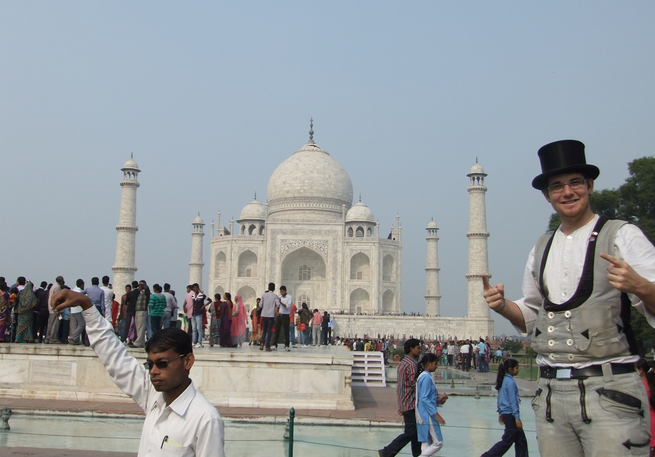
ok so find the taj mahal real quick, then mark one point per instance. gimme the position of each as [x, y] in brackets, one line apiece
[328, 252]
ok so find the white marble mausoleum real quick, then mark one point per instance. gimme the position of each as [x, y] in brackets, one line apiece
[312, 239]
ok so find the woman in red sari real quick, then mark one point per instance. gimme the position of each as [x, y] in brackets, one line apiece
[239, 323]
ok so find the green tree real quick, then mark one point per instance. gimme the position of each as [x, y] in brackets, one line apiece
[511, 346]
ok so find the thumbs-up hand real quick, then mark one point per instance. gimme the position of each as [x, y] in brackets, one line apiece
[495, 296]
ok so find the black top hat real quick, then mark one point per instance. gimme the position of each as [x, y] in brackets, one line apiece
[565, 156]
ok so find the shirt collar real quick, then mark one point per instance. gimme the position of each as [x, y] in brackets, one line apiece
[181, 403]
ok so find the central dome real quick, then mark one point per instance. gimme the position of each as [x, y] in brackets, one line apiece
[309, 184]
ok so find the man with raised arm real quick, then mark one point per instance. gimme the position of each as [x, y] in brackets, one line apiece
[179, 420]
[580, 284]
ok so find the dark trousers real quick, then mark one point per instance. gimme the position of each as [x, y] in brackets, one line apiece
[267, 330]
[511, 436]
[155, 324]
[467, 361]
[410, 435]
[282, 324]
[42, 326]
[64, 330]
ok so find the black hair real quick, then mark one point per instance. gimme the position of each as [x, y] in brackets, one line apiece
[21, 280]
[283, 287]
[156, 288]
[135, 284]
[647, 368]
[95, 281]
[80, 283]
[217, 297]
[170, 338]
[271, 286]
[105, 280]
[427, 358]
[503, 368]
[167, 287]
[44, 284]
[411, 343]
[227, 296]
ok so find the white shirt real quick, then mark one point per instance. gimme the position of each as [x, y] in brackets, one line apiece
[464, 349]
[76, 309]
[109, 293]
[171, 303]
[285, 304]
[564, 269]
[189, 426]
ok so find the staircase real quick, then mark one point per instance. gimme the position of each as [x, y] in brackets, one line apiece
[368, 369]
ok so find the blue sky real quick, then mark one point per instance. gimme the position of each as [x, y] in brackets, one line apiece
[212, 96]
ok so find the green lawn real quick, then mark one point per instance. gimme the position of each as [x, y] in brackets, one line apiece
[524, 371]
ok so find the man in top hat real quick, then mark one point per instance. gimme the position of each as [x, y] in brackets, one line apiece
[580, 284]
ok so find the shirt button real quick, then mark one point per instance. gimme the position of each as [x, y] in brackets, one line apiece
[551, 343]
[569, 342]
[567, 314]
[551, 315]
[551, 329]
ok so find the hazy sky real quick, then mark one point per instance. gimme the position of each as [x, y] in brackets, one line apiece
[211, 97]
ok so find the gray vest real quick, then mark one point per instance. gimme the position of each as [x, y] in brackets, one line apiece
[595, 322]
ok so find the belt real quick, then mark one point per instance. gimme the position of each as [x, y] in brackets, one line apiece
[584, 373]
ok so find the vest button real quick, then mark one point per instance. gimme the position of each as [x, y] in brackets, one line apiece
[567, 314]
[551, 315]
[551, 356]
[569, 342]
[571, 357]
[551, 329]
[551, 343]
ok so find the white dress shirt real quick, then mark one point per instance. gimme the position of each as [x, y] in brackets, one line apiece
[564, 269]
[189, 426]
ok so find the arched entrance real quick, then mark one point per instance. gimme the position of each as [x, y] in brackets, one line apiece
[304, 270]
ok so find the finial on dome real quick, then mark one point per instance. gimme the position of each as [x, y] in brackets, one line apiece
[360, 197]
[131, 155]
[311, 130]
[255, 195]
[476, 160]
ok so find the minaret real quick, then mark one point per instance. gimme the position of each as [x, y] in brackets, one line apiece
[195, 266]
[477, 235]
[124, 267]
[432, 297]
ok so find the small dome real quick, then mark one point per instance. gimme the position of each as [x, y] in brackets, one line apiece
[253, 210]
[131, 164]
[198, 220]
[477, 169]
[360, 213]
[432, 225]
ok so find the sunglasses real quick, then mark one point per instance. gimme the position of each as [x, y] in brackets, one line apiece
[161, 364]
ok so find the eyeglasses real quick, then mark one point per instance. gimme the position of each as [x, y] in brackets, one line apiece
[161, 364]
[573, 184]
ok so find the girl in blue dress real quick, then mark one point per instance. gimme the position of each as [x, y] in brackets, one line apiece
[428, 420]
[508, 412]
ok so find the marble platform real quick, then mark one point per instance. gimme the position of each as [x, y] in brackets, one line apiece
[315, 378]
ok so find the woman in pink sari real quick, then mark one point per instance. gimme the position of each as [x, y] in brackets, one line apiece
[239, 322]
